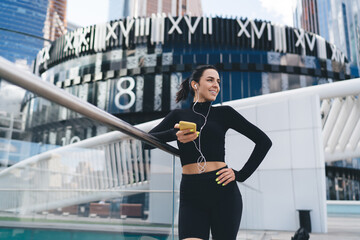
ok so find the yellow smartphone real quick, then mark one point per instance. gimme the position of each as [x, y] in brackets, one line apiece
[183, 125]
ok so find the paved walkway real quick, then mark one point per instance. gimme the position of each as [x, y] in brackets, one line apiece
[339, 228]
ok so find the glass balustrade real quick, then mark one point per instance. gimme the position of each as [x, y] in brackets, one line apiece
[67, 176]
[64, 174]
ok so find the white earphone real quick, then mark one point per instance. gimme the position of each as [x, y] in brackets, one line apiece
[201, 161]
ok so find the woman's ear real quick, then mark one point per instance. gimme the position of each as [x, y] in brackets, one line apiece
[194, 85]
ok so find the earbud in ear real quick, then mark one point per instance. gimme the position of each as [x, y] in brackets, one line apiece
[195, 86]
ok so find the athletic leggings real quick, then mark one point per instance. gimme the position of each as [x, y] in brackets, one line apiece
[206, 205]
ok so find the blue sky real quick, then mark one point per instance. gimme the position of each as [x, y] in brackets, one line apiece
[88, 12]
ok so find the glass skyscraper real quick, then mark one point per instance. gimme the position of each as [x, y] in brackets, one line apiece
[337, 20]
[306, 15]
[118, 9]
[25, 24]
[22, 24]
[145, 8]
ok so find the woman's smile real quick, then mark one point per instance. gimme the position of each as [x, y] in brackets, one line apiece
[213, 92]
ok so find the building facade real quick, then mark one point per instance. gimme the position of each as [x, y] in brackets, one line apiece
[132, 67]
[306, 15]
[24, 25]
[343, 180]
[25, 28]
[337, 21]
[55, 23]
[145, 8]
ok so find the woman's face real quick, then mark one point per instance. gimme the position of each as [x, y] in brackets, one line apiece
[208, 86]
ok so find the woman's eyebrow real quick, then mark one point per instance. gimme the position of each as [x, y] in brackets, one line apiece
[210, 77]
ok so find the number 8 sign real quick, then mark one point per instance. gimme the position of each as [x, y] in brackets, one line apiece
[123, 91]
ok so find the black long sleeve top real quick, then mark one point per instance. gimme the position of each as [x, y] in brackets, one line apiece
[219, 120]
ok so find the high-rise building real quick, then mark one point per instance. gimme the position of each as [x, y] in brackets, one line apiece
[26, 25]
[55, 23]
[338, 21]
[306, 15]
[119, 9]
[144, 8]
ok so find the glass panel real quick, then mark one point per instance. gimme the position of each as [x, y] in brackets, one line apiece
[274, 80]
[225, 87]
[79, 177]
[255, 80]
[65, 173]
[294, 81]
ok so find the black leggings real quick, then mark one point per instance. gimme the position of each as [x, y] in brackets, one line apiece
[206, 205]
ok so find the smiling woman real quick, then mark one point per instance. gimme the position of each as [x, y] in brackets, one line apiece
[209, 196]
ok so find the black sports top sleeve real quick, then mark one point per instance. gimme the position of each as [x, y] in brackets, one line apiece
[165, 130]
[220, 119]
[262, 142]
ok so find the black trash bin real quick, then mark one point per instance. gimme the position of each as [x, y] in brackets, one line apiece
[305, 221]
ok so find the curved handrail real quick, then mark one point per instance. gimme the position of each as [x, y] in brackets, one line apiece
[11, 73]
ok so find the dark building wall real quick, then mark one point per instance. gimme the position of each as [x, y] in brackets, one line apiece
[135, 76]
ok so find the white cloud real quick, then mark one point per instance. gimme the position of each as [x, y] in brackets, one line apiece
[87, 12]
[10, 97]
[281, 8]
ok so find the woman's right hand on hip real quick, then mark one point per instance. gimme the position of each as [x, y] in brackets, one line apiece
[185, 136]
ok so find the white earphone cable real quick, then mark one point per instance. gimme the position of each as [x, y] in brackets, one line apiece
[201, 161]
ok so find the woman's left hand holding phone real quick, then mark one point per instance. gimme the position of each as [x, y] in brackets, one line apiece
[185, 136]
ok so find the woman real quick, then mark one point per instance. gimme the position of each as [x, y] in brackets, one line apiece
[209, 196]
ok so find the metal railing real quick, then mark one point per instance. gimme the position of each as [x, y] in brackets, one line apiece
[339, 111]
[115, 167]
[11, 73]
[107, 166]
